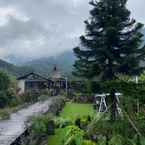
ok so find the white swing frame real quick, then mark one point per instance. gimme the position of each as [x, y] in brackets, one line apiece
[103, 101]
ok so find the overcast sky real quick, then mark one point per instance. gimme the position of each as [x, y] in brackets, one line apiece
[31, 29]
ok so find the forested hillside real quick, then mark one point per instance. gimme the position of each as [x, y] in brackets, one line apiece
[44, 66]
[13, 69]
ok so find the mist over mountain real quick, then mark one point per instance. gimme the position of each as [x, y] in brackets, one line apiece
[13, 69]
[44, 65]
[64, 63]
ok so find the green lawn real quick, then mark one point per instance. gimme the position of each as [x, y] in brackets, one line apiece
[70, 111]
[57, 139]
[73, 110]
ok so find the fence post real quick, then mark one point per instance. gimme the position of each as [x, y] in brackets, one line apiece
[114, 111]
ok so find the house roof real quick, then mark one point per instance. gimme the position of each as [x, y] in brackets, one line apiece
[56, 75]
[32, 75]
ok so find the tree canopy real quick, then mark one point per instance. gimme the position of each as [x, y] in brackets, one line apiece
[112, 43]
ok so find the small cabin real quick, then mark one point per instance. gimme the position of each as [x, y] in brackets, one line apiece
[33, 82]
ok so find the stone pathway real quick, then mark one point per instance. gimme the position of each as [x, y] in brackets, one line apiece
[16, 125]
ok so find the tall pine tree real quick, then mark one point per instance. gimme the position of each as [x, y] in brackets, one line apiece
[112, 43]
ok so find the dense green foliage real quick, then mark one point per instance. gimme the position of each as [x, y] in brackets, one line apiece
[68, 132]
[13, 69]
[40, 125]
[112, 44]
[131, 91]
[4, 80]
[74, 135]
[132, 114]
[8, 92]
[120, 132]
[7, 89]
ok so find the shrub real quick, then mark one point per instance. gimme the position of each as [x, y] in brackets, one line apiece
[78, 122]
[117, 140]
[83, 122]
[74, 135]
[7, 89]
[3, 99]
[4, 80]
[43, 125]
[57, 105]
[62, 123]
[45, 92]
[29, 97]
[4, 114]
[51, 127]
[43, 97]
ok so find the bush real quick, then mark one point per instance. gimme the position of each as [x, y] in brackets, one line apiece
[51, 127]
[43, 125]
[57, 105]
[74, 135]
[28, 97]
[83, 121]
[43, 97]
[45, 92]
[3, 99]
[4, 114]
[7, 89]
[5, 80]
[83, 98]
[62, 123]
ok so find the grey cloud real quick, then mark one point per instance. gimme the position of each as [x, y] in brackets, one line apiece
[17, 29]
[52, 22]
[53, 27]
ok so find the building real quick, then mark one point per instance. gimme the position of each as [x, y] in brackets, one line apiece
[33, 82]
[57, 78]
[59, 82]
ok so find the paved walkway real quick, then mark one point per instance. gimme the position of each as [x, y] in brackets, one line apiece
[16, 125]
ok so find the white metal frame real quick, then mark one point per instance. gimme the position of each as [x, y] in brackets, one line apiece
[103, 101]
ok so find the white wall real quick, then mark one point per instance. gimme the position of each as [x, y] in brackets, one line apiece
[21, 86]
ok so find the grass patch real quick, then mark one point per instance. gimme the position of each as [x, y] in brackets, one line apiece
[71, 111]
[57, 139]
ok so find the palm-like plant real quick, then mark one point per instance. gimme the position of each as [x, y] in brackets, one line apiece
[74, 136]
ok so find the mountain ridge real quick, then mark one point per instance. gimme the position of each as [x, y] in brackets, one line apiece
[13, 69]
[44, 66]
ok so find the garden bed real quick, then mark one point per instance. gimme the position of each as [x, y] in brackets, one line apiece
[71, 112]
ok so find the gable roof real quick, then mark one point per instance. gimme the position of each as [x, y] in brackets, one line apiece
[33, 75]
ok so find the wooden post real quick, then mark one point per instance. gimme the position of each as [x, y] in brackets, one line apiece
[66, 86]
[138, 106]
[138, 140]
[107, 139]
[136, 79]
[114, 112]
